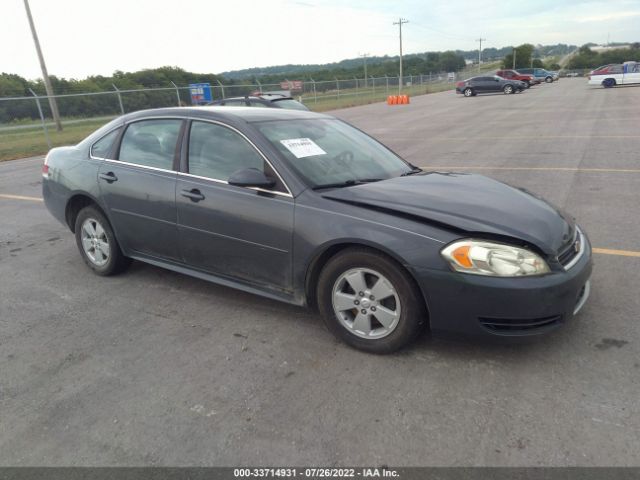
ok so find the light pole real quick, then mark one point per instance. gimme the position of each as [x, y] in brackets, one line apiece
[364, 57]
[45, 76]
[399, 23]
[480, 52]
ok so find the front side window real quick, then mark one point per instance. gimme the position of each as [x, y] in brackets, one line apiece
[151, 143]
[102, 147]
[328, 151]
[217, 152]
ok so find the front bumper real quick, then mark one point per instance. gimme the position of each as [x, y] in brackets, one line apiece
[505, 307]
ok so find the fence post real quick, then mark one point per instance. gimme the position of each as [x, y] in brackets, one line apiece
[356, 85]
[44, 125]
[373, 82]
[119, 98]
[177, 92]
[387, 79]
[221, 88]
[337, 86]
[259, 85]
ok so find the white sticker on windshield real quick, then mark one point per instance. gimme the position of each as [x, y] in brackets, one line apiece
[303, 147]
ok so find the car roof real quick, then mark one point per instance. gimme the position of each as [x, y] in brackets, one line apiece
[228, 114]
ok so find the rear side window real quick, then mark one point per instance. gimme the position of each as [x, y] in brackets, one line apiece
[151, 143]
[102, 147]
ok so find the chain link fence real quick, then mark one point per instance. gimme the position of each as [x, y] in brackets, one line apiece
[26, 124]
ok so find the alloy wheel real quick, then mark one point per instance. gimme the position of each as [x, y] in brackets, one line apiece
[366, 303]
[95, 242]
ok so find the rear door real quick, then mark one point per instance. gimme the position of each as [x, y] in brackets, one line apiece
[236, 232]
[138, 187]
[632, 74]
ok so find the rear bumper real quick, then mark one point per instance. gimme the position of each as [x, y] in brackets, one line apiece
[479, 306]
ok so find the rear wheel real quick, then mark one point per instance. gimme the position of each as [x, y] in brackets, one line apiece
[97, 243]
[468, 92]
[508, 89]
[368, 301]
[548, 79]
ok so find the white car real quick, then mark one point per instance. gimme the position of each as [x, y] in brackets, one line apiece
[616, 74]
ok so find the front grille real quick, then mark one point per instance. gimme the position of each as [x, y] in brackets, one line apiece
[571, 253]
[520, 325]
[567, 255]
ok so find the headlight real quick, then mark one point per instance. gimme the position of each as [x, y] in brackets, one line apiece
[495, 259]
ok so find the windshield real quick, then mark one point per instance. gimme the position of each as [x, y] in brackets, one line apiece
[290, 104]
[330, 152]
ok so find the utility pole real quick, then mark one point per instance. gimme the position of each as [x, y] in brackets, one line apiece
[399, 23]
[480, 40]
[45, 76]
[364, 57]
[514, 58]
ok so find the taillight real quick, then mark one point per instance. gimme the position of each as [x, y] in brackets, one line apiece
[45, 166]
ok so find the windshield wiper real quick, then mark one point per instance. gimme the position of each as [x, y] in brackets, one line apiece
[347, 183]
[413, 171]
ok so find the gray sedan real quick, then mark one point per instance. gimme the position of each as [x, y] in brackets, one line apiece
[304, 208]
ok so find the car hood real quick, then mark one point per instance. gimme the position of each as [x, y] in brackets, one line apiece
[468, 202]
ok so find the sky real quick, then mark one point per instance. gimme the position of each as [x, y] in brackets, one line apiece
[96, 37]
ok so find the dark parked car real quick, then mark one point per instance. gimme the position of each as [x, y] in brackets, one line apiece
[269, 100]
[304, 208]
[489, 84]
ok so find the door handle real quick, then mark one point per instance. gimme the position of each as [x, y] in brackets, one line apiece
[194, 194]
[109, 177]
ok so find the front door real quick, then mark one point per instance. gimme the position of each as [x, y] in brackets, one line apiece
[240, 233]
[139, 188]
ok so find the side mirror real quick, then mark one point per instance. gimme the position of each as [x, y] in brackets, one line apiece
[251, 177]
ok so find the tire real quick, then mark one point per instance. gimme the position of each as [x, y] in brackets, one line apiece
[97, 243]
[508, 89]
[468, 92]
[548, 79]
[354, 275]
[527, 85]
[609, 83]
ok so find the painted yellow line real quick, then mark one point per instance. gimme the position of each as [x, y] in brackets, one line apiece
[556, 169]
[620, 253]
[20, 197]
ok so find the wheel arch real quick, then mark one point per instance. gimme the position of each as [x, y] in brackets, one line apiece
[327, 251]
[77, 202]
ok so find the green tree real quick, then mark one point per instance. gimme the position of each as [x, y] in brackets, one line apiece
[523, 57]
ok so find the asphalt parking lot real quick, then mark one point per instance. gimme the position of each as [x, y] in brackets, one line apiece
[155, 368]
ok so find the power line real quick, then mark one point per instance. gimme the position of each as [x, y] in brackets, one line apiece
[399, 23]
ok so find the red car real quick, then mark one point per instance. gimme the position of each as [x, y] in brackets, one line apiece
[515, 75]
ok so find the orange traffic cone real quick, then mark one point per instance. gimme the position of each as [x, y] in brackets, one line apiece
[406, 97]
[389, 100]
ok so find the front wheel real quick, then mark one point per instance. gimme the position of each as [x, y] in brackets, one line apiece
[608, 83]
[368, 301]
[97, 243]
[508, 89]
[468, 92]
[548, 79]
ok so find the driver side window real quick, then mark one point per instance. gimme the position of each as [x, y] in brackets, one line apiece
[217, 152]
